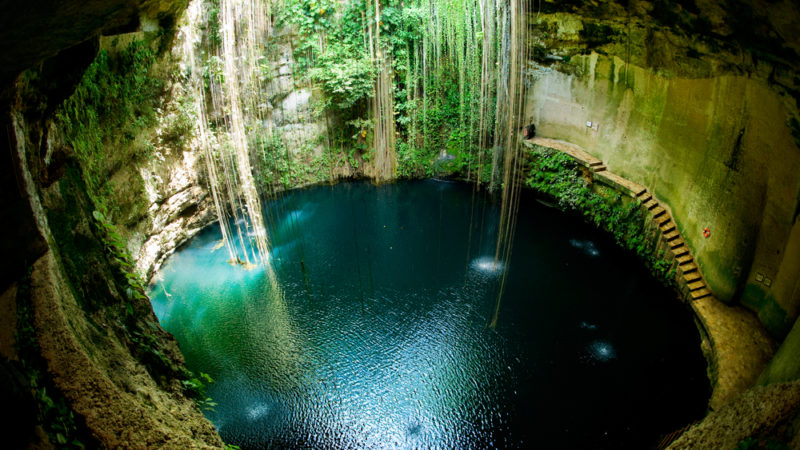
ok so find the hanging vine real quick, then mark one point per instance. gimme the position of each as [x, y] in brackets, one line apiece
[233, 79]
[407, 89]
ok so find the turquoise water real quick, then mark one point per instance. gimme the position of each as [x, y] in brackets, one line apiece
[378, 334]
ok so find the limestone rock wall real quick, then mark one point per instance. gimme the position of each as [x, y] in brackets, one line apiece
[717, 149]
[178, 207]
[101, 349]
[165, 201]
[71, 322]
[302, 131]
[761, 413]
[119, 400]
[713, 144]
[292, 116]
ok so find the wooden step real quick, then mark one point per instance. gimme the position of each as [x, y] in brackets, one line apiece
[680, 251]
[700, 293]
[672, 235]
[646, 198]
[600, 168]
[641, 192]
[675, 243]
[688, 268]
[695, 285]
[658, 211]
[650, 204]
[595, 163]
[685, 259]
[661, 219]
[693, 276]
[667, 227]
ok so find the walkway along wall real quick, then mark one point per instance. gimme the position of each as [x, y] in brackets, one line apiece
[735, 343]
[717, 150]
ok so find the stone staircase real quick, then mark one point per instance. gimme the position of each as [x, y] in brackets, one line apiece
[690, 281]
[740, 347]
[597, 166]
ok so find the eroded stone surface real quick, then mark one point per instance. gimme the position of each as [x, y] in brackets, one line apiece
[759, 411]
[179, 206]
[741, 348]
[120, 402]
[8, 322]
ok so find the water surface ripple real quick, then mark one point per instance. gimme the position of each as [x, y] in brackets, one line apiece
[379, 335]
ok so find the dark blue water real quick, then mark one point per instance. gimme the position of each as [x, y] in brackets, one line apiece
[378, 336]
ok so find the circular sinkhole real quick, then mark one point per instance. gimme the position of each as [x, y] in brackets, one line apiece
[378, 335]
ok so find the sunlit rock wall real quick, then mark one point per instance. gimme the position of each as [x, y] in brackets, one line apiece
[717, 149]
[81, 334]
[302, 131]
[178, 206]
[293, 117]
[165, 201]
[160, 202]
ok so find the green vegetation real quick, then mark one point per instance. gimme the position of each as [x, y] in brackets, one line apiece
[754, 443]
[434, 68]
[108, 122]
[440, 55]
[53, 411]
[332, 53]
[77, 246]
[195, 387]
[113, 104]
[143, 337]
[116, 248]
[278, 167]
[347, 80]
[212, 24]
[93, 253]
[558, 176]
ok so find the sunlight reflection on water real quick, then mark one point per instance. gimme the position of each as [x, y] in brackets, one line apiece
[488, 266]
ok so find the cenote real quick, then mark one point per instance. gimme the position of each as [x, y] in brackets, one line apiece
[379, 336]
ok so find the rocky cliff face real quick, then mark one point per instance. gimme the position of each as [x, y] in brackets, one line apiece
[79, 335]
[93, 334]
[713, 133]
[293, 117]
[699, 102]
[300, 130]
[32, 34]
[665, 93]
